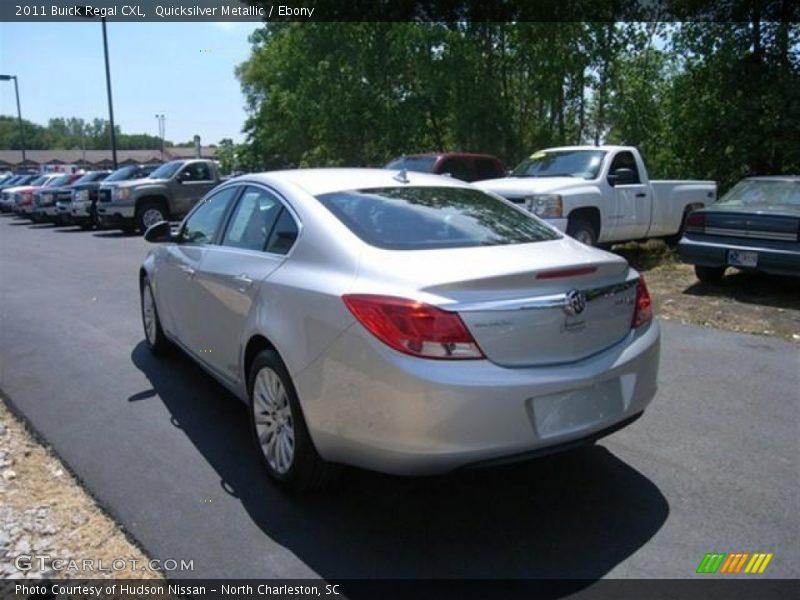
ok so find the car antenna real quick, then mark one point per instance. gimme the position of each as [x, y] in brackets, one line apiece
[402, 176]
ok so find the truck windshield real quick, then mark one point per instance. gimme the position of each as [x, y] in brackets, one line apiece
[166, 170]
[121, 174]
[421, 164]
[561, 163]
[58, 181]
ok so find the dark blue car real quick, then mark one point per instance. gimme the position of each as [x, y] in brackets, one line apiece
[755, 226]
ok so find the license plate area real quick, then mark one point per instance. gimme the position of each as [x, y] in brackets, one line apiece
[741, 258]
[584, 409]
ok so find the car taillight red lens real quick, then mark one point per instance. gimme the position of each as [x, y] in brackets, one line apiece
[643, 311]
[696, 222]
[414, 328]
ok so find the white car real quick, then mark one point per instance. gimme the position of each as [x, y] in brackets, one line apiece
[602, 194]
[401, 322]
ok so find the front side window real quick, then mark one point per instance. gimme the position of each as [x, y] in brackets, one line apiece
[423, 218]
[625, 160]
[561, 163]
[196, 172]
[202, 224]
[253, 220]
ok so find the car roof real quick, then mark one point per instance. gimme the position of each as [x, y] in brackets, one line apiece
[323, 181]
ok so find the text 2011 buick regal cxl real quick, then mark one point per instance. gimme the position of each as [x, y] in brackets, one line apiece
[401, 322]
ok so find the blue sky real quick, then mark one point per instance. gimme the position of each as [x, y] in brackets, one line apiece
[182, 70]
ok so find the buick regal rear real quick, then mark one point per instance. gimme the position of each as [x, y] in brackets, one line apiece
[414, 325]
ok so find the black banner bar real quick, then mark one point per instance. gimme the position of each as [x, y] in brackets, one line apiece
[703, 587]
[400, 10]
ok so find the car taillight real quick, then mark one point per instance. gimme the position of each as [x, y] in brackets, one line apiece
[696, 222]
[643, 311]
[413, 327]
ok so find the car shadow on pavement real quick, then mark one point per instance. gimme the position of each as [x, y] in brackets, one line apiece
[114, 234]
[752, 288]
[574, 515]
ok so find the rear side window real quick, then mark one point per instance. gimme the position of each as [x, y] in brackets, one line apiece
[283, 235]
[459, 168]
[423, 218]
[486, 168]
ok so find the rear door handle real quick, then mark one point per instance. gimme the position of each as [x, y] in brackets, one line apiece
[641, 195]
[243, 282]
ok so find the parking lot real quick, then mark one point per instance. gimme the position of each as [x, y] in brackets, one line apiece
[711, 467]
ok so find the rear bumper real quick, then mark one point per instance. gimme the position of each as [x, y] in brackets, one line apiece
[774, 260]
[369, 406]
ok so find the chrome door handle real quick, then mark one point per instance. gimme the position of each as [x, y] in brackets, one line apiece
[188, 270]
[243, 281]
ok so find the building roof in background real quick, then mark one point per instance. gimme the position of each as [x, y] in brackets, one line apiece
[10, 159]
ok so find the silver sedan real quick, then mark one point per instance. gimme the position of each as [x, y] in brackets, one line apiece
[406, 323]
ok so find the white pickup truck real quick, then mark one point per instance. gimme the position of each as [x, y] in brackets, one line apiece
[601, 194]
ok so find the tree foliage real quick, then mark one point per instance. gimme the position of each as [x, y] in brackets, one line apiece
[72, 134]
[705, 99]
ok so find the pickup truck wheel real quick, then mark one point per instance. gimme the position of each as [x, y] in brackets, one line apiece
[279, 429]
[709, 274]
[582, 231]
[149, 213]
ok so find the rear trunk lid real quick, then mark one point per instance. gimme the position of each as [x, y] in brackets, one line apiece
[525, 305]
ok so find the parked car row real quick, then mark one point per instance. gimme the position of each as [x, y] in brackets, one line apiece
[130, 198]
[600, 195]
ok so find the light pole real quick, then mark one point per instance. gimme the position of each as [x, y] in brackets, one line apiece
[87, 12]
[162, 129]
[110, 103]
[19, 114]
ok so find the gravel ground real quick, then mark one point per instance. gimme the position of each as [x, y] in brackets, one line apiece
[46, 514]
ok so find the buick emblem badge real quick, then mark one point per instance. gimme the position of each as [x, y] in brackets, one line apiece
[575, 303]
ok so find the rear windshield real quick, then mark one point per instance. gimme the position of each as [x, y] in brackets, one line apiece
[763, 191]
[420, 164]
[423, 218]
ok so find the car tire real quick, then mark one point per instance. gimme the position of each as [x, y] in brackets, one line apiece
[583, 231]
[154, 336]
[709, 274]
[149, 213]
[279, 429]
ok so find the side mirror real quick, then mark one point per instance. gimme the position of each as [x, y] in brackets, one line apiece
[159, 233]
[622, 176]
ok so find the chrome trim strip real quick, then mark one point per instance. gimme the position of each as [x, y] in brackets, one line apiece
[742, 233]
[542, 302]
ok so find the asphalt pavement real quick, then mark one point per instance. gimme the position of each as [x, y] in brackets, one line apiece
[711, 467]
